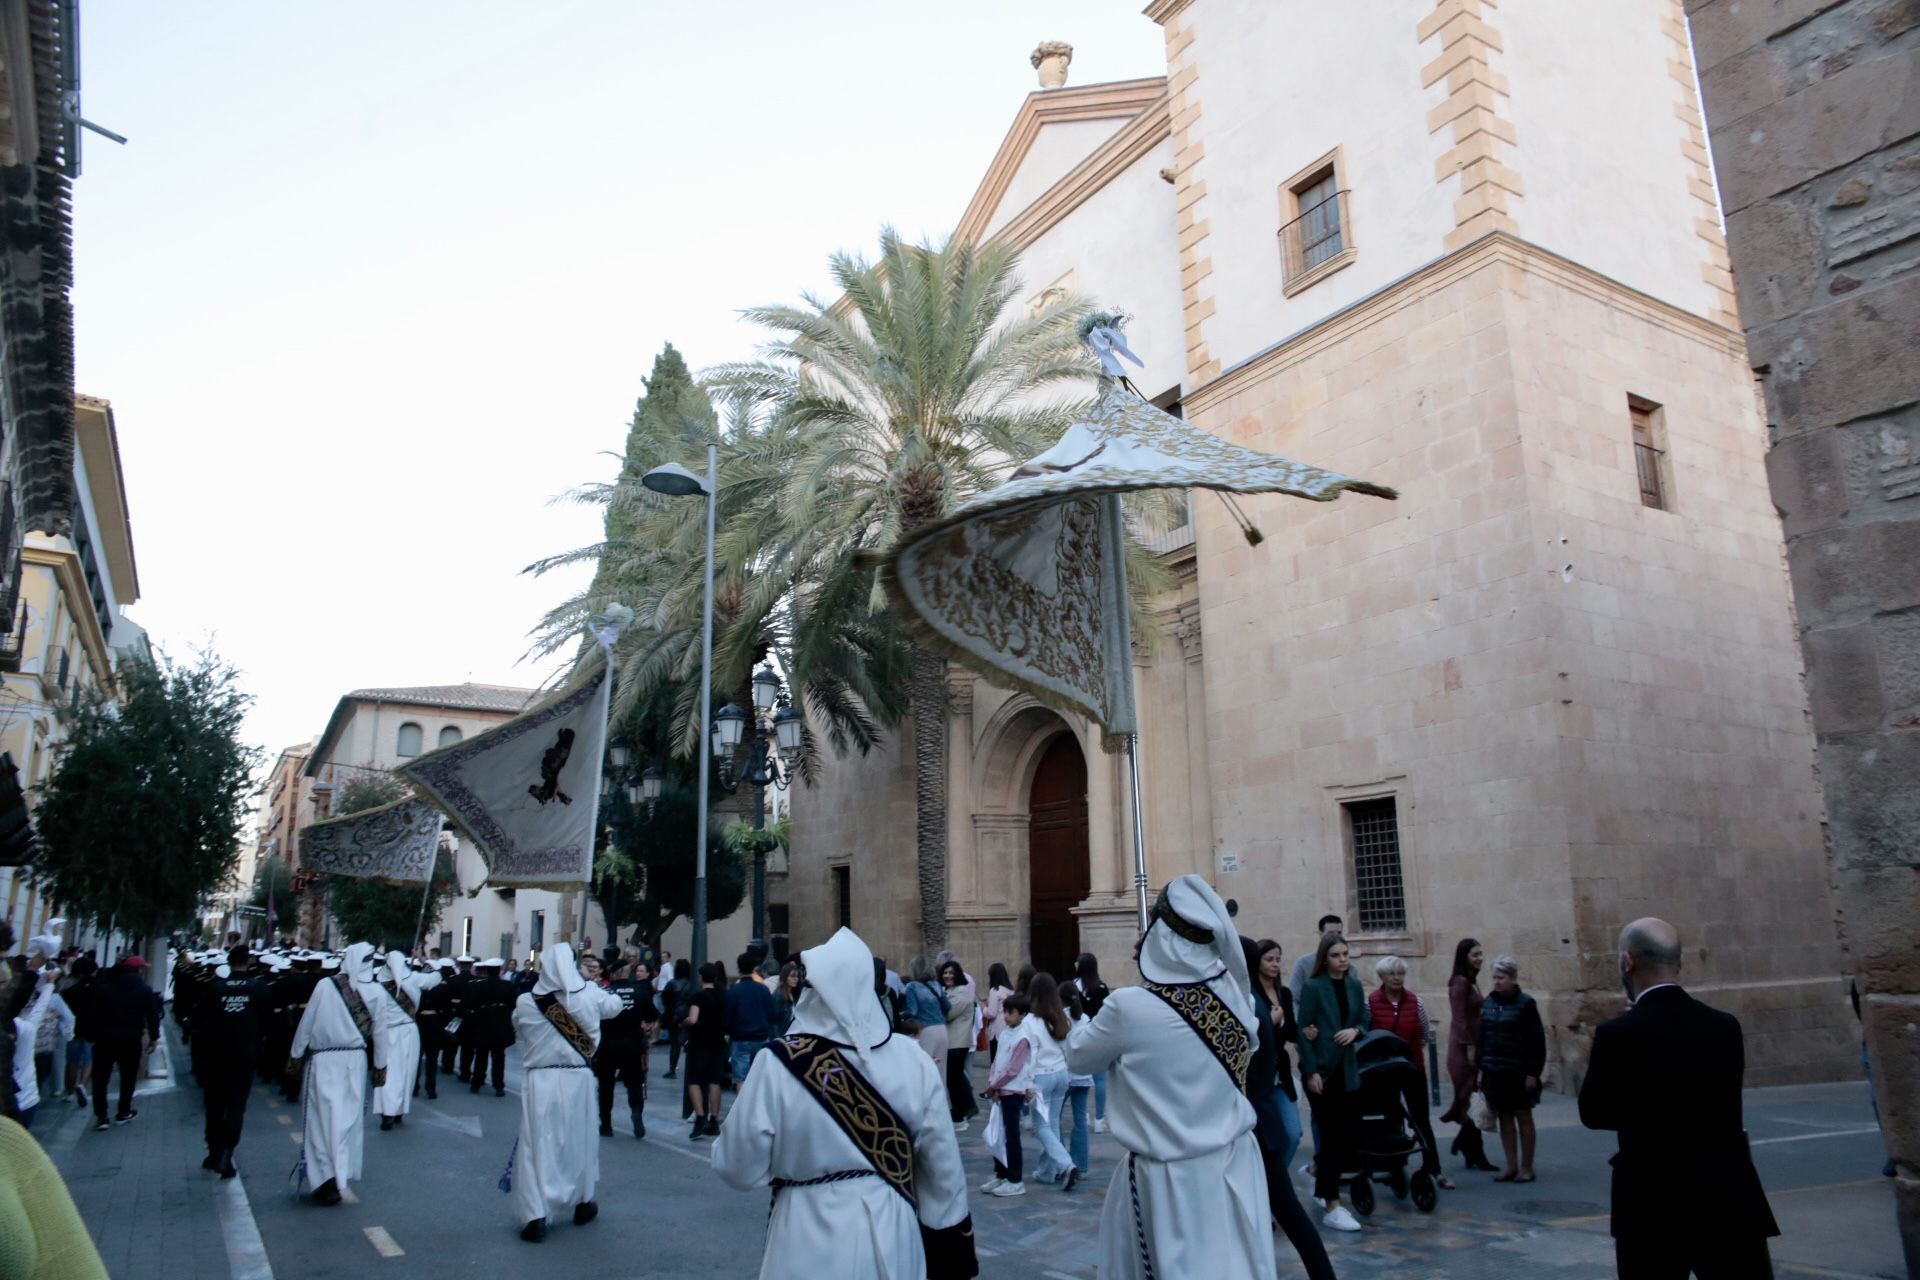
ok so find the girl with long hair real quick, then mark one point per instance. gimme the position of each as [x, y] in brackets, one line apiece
[1463, 1039]
[961, 1003]
[1049, 1028]
[1334, 1002]
[1093, 992]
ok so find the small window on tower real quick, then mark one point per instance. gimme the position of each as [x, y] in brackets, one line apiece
[1316, 238]
[1373, 839]
[843, 897]
[408, 741]
[1648, 421]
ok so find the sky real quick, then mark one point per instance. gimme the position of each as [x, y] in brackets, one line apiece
[373, 285]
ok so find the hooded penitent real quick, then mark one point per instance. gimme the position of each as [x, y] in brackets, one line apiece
[1193, 939]
[838, 1002]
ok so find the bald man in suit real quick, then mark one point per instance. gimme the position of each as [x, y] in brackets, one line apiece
[1666, 1076]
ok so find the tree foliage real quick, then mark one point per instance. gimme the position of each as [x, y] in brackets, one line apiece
[141, 818]
[387, 915]
[644, 877]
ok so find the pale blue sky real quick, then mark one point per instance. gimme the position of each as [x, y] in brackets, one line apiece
[374, 282]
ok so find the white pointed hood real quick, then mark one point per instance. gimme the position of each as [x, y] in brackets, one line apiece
[359, 962]
[558, 973]
[838, 1001]
[397, 968]
[1168, 956]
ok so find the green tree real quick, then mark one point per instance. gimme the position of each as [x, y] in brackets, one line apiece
[387, 915]
[884, 411]
[141, 817]
[644, 877]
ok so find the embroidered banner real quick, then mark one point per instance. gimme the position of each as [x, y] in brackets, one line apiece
[562, 1020]
[1217, 1026]
[855, 1105]
[1026, 583]
[527, 792]
[395, 842]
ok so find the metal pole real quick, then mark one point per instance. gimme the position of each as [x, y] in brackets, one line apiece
[704, 709]
[426, 891]
[759, 860]
[1139, 825]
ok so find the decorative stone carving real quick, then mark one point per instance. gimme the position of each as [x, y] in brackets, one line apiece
[1051, 60]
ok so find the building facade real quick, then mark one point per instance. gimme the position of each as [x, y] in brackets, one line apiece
[70, 631]
[1472, 252]
[1815, 116]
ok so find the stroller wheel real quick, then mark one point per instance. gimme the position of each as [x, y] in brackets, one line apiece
[1425, 1194]
[1397, 1183]
[1362, 1191]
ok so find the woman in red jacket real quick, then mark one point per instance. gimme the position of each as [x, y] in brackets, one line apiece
[1396, 1009]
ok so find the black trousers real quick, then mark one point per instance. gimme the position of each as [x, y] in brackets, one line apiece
[1335, 1111]
[430, 1052]
[959, 1086]
[225, 1085]
[1664, 1257]
[108, 1054]
[615, 1065]
[480, 1058]
[1292, 1217]
[452, 1056]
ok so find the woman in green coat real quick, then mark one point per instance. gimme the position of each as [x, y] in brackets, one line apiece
[1333, 1015]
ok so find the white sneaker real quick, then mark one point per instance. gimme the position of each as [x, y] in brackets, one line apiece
[961, 1126]
[1100, 1125]
[1020, 1189]
[1338, 1219]
[990, 1186]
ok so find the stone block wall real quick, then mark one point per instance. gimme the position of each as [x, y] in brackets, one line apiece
[1813, 107]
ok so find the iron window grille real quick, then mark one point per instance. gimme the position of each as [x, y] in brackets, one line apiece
[1647, 453]
[1318, 235]
[1380, 890]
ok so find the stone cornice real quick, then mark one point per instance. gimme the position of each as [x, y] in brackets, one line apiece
[1497, 248]
[1118, 99]
[1161, 10]
[1114, 157]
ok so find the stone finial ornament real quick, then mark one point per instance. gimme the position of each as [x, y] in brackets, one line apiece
[1050, 59]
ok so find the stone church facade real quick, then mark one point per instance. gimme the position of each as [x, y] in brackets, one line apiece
[1475, 254]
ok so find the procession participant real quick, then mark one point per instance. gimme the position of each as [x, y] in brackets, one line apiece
[286, 1006]
[557, 1162]
[339, 1040]
[453, 1050]
[401, 1032]
[849, 1125]
[1191, 1197]
[436, 1009]
[624, 1041]
[486, 1025]
[231, 1024]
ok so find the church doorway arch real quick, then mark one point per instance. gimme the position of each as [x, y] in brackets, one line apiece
[1057, 855]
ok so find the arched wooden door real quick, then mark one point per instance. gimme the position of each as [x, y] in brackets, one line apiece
[1057, 855]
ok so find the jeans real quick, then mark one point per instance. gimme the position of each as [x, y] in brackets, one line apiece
[26, 1116]
[1077, 1144]
[742, 1058]
[1010, 1169]
[1051, 1092]
[1100, 1095]
[1290, 1117]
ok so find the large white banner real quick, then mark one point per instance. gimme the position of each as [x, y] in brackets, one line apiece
[527, 792]
[396, 842]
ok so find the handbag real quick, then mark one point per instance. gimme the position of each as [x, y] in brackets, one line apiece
[1483, 1117]
[979, 1030]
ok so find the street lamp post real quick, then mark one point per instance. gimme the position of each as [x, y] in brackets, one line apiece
[678, 482]
[773, 754]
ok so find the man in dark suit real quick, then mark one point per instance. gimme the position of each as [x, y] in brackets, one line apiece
[1666, 1076]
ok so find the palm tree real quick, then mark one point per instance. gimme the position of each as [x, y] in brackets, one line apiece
[884, 410]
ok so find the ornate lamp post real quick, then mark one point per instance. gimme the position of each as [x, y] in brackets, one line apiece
[773, 733]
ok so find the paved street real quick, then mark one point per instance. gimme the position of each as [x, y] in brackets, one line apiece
[429, 1206]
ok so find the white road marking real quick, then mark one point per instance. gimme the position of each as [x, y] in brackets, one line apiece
[468, 1125]
[246, 1255]
[1809, 1137]
[295, 1137]
[283, 1117]
[382, 1243]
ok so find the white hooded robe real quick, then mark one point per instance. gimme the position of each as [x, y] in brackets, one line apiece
[1192, 1193]
[334, 1095]
[400, 1034]
[858, 1228]
[557, 1162]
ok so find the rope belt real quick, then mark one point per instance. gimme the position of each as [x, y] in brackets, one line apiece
[562, 1066]
[342, 1048]
[844, 1175]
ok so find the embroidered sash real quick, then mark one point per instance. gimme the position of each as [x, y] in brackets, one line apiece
[853, 1104]
[1224, 1034]
[562, 1021]
[401, 998]
[363, 1022]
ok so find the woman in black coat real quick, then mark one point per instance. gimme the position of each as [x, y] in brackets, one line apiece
[1512, 1054]
[1265, 1076]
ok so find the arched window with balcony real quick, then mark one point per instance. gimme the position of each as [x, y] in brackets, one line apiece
[449, 734]
[408, 743]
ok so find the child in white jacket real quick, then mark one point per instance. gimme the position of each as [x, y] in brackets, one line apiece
[1009, 1084]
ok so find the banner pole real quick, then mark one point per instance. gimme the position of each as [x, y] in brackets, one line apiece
[1119, 544]
[1139, 826]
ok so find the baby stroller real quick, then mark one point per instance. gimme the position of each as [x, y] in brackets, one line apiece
[1393, 1126]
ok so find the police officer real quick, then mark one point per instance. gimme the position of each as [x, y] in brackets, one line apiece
[229, 1026]
[624, 1040]
[454, 1048]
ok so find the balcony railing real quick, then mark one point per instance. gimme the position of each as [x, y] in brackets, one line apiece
[1315, 238]
[13, 629]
